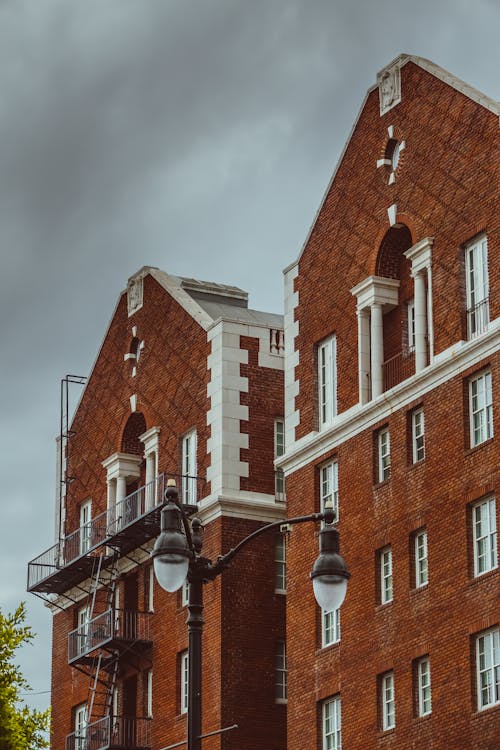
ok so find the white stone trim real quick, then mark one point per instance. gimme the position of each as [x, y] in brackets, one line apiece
[150, 440]
[391, 214]
[122, 465]
[389, 86]
[135, 292]
[133, 402]
[420, 255]
[376, 290]
[448, 364]
[292, 356]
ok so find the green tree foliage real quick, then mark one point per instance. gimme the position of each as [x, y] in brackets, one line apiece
[21, 727]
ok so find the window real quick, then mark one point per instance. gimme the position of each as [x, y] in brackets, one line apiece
[279, 450]
[150, 581]
[329, 486]
[330, 627]
[387, 701]
[385, 571]
[484, 533]
[488, 668]
[83, 618]
[476, 268]
[481, 408]
[331, 724]
[185, 594]
[85, 526]
[417, 435]
[421, 562]
[327, 388]
[80, 713]
[410, 313]
[280, 678]
[423, 675]
[184, 681]
[149, 693]
[189, 448]
[280, 565]
[384, 455]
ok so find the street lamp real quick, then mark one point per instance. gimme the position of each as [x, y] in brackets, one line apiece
[177, 558]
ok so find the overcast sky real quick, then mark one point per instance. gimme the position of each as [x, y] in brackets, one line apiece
[193, 135]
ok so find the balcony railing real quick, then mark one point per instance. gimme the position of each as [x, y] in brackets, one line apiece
[135, 505]
[398, 368]
[277, 341]
[112, 732]
[478, 318]
[110, 627]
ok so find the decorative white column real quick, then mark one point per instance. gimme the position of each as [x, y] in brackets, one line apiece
[121, 489]
[420, 322]
[377, 348]
[364, 355]
[119, 467]
[420, 256]
[150, 440]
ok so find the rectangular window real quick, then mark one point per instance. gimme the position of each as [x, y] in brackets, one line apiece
[185, 594]
[189, 468]
[424, 686]
[387, 701]
[280, 565]
[476, 268]
[85, 526]
[184, 682]
[280, 676]
[80, 713]
[329, 487]
[417, 435]
[279, 450]
[330, 627]
[327, 387]
[385, 563]
[149, 582]
[488, 668]
[332, 724]
[411, 325]
[484, 533]
[421, 562]
[480, 408]
[149, 693]
[384, 455]
[83, 618]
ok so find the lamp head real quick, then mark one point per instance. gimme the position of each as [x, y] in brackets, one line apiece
[329, 574]
[171, 553]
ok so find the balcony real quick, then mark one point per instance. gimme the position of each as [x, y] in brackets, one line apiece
[111, 630]
[112, 733]
[398, 368]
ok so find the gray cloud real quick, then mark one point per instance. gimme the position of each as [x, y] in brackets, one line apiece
[193, 135]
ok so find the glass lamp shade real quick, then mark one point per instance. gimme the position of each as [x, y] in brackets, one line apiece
[171, 570]
[329, 591]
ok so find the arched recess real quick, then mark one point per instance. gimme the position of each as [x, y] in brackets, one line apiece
[134, 427]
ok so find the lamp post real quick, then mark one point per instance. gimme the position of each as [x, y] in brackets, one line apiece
[177, 557]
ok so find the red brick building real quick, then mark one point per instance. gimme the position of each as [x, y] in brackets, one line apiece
[188, 384]
[391, 372]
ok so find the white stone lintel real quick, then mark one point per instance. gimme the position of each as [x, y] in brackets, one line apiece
[376, 290]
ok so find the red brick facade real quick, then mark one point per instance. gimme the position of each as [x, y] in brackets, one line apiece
[445, 188]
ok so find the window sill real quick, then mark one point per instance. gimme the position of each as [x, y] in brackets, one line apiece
[418, 589]
[386, 733]
[485, 711]
[381, 607]
[281, 701]
[280, 592]
[384, 483]
[415, 464]
[475, 580]
[329, 647]
[425, 717]
[474, 448]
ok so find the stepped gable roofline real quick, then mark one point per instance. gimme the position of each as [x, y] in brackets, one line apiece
[401, 60]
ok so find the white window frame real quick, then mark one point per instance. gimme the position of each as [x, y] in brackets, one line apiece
[384, 454]
[279, 450]
[477, 286]
[280, 565]
[424, 686]
[418, 435]
[81, 723]
[149, 693]
[388, 701]
[85, 526]
[484, 535]
[488, 668]
[386, 582]
[330, 627]
[184, 681]
[83, 620]
[329, 486]
[331, 724]
[327, 380]
[185, 594]
[280, 673]
[410, 314]
[421, 559]
[480, 408]
[189, 467]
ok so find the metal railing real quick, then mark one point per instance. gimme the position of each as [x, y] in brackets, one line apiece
[478, 318]
[126, 625]
[135, 505]
[44, 565]
[112, 731]
[398, 368]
